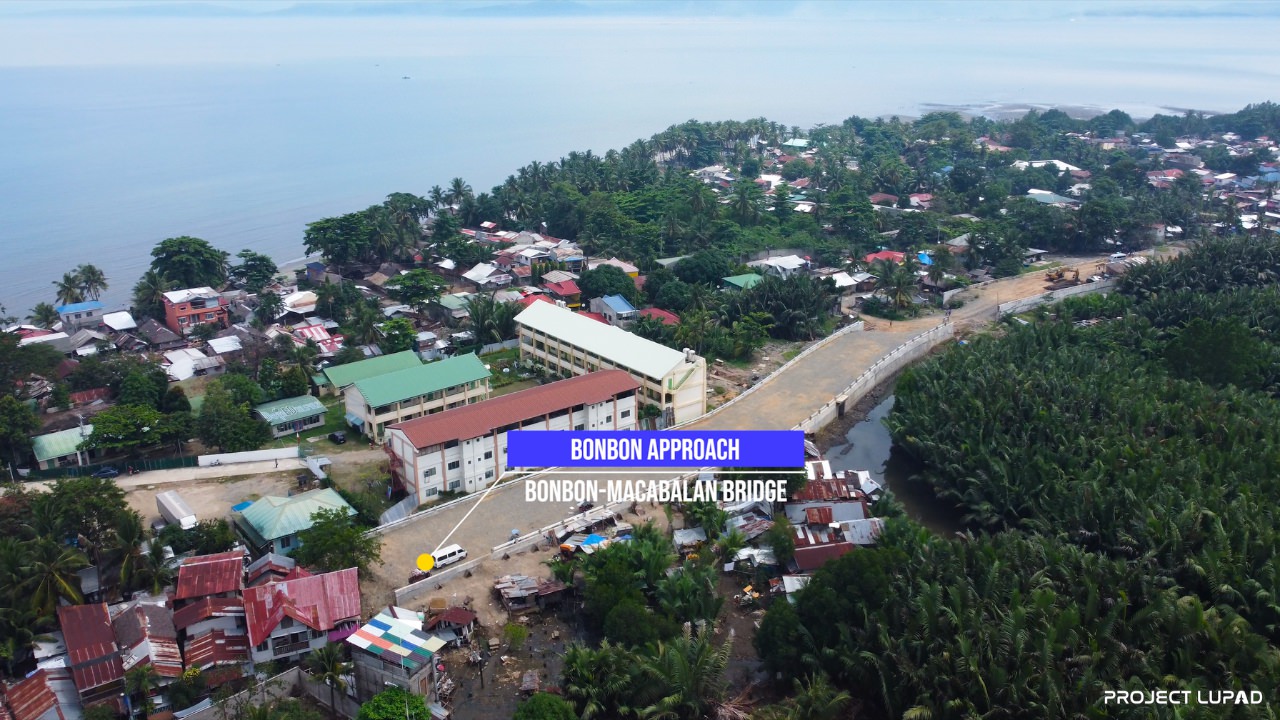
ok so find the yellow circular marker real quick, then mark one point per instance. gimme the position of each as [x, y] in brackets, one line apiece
[426, 561]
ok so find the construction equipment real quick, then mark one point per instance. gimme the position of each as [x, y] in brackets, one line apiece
[1063, 278]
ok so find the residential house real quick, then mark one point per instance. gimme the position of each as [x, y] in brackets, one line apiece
[615, 309]
[1033, 255]
[465, 449]
[824, 501]
[81, 314]
[521, 593]
[454, 625]
[118, 322]
[565, 291]
[890, 255]
[564, 342]
[921, 200]
[883, 199]
[487, 276]
[290, 618]
[269, 568]
[783, 266]
[33, 698]
[663, 316]
[187, 363]
[185, 309]
[62, 449]
[292, 415]
[555, 276]
[209, 610]
[376, 402]
[155, 337]
[450, 309]
[272, 524]
[1057, 165]
[146, 635]
[393, 649]
[92, 653]
[741, 282]
[622, 265]
[340, 377]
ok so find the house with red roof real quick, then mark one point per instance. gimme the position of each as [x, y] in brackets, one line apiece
[146, 636]
[209, 610]
[883, 199]
[30, 699]
[890, 255]
[92, 653]
[288, 619]
[665, 317]
[566, 291]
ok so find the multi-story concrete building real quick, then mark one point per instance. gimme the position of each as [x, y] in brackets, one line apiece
[304, 612]
[376, 402]
[466, 449]
[567, 343]
[185, 309]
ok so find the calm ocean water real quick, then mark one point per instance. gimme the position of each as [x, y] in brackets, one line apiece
[117, 133]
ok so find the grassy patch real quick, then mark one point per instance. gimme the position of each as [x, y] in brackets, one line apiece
[791, 354]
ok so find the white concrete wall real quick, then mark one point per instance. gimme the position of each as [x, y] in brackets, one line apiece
[250, 456]
[1025, 304]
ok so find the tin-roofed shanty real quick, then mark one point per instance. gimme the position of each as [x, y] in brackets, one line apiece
[205, 575]
[31, 699]
[92, 653]
[393, 649]
[146, 636]
[523, 593]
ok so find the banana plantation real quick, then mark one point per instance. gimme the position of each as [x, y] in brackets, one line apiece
[1117, 462]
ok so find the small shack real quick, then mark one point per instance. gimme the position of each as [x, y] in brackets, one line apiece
[521, 593]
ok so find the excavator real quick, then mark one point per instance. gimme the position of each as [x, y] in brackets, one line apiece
[1062, 277]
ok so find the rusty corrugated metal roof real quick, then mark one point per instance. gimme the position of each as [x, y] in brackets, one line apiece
[31, 698]
[318, 601]
[92, 652]
[217, 648]
[818, 490]
[204, 608]
[211, 575]
[146, 636]
[818, 515]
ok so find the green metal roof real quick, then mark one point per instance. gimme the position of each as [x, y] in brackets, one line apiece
[454, 302]
[290, 409]
[60, 444]
[412, 382]
[743, 281]
[276, 517]
[341, 376]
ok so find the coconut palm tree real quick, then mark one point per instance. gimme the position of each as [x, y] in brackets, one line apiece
[326, 665]
[68, 289]
[44, 315]
[52, 576]
[125, 549]
[19, 633]
[686, 675]
[155, 572]
[92, 280]
[458, 189]
[139, 681]
[148, 294]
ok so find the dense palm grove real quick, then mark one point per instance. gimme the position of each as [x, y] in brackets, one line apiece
[1118, 462]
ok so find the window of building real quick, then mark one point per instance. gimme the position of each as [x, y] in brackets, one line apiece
[608, 419]
[488, 454]
[286, 541]
[431, 492]
[428, 472]
[210, 316]
[316, 633]
[454, 485]
[286, 623]
[262, 646]
[183, 320]
[624, 414]
[454, 465]
[488, 474]
[580, 426]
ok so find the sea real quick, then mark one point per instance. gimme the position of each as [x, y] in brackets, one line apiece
[121, 126]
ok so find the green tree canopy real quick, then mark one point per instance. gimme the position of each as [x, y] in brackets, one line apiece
[124, 428]
[189, 262]
[398, 335]
[606, 280]
[417, 288]
[254, 271]
[545, 706]
[392, 704]
[334, 542]
[226, 424]
[18, 422]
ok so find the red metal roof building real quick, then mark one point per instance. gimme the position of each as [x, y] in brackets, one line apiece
[423, 451]
[663, 316]
[328, 604]
[206, 575]
[30, 699]
[890, 255]
[566, 290]
[217, 647]
[92, 653]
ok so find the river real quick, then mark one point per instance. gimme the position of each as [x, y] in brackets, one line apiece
[868, 446]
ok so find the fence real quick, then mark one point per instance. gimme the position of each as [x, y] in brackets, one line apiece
[121, 465]
[251, 456]
[909, 351]
[1017, 306]
[854, 327]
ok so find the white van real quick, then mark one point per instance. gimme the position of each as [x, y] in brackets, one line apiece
[448, 555]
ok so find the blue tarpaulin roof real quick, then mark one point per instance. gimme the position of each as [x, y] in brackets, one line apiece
[592, 540]
[241, 506]
[925, 259]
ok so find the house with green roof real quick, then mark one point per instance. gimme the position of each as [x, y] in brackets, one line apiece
[741, 282]
[340, 377]
[376, 402]
[292, 415]
[62, 449]
[272, 524]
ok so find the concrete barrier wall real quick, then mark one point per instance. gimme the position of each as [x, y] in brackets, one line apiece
[908, 352]
[275, 688]
[251, 456]
[1017, 306]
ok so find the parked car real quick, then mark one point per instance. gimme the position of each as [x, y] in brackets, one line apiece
[106, 471]
[338, 437]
